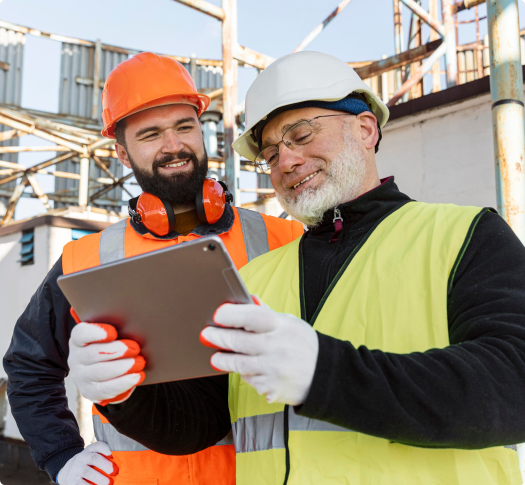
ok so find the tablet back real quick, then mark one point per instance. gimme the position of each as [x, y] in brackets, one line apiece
[162, 300]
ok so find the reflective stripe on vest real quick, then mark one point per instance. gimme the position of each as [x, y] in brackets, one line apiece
[254, 233]
[264, 431]
[118, 442]
[111, 247]
[391, 296]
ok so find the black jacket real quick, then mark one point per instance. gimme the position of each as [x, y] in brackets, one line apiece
[468, 395]
[36, 365]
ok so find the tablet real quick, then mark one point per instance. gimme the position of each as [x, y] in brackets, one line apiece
[162, 300]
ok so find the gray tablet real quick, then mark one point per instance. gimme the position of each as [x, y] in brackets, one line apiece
[162, 300]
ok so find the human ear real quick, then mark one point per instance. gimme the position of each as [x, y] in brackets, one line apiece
[369, 133]
[122, 154]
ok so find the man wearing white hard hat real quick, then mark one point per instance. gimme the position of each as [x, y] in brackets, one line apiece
[387, 345]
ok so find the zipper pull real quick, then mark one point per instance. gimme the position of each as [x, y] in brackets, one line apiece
[338, 225]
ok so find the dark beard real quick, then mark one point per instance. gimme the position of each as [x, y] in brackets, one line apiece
[179, 188]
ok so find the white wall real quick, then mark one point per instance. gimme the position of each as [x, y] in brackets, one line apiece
[444, 154]
[17, 285]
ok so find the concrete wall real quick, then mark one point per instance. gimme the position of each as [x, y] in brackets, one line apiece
[444, 154]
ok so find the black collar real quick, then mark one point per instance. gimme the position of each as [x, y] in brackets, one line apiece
[224, 224]
[374, 203]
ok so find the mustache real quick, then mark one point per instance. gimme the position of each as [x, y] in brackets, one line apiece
[170, 157]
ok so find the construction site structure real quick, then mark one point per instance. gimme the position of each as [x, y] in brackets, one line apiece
[456, 134]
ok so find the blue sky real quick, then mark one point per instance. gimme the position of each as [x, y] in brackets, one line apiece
[363, 31]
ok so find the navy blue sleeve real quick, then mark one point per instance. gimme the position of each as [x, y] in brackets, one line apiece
[36, 365]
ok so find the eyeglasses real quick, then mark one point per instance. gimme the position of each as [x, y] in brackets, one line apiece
[299, 134]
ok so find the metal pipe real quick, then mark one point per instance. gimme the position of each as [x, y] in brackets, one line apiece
[13, 201]
[83, 186]
[251, 57]
[30, 128]
[425, 17]
[398, 60]
[96, 79]
[418, 75]
[436, 71]
[17, 149]
[229, 96]
[31, 178]
[314, 33]
[506, 87]
[451, 55]
[398, 40]
[205, 7]
[103, 191]
[34, 168]
[466, 5]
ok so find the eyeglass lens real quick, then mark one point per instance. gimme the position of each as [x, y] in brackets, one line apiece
[299, 134]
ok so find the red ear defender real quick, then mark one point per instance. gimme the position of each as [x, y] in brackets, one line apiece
[157, 215]
[215, 196]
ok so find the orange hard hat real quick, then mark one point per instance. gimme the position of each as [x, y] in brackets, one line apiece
[144, 81]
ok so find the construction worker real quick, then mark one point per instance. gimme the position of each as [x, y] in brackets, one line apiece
[151, 107]
[387, 345]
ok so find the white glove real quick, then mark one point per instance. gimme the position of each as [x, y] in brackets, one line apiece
[105, 370]
[276, 353]
[84, 466]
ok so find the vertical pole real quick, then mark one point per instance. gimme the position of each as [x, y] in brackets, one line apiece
[384, 85]
[436, 69]
[96, 79]
[83, 186]
[398, 38]
[506, 87]
[229, 97]
[193, 68]
[451, 55]
[479, 52]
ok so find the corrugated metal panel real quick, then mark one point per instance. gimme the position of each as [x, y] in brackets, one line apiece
[208, 77]
[77, 63]
[12, 54]
[76, 98]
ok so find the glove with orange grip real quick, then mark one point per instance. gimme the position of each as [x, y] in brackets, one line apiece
[104, 369]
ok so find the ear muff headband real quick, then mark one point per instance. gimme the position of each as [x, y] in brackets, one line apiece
[158, 216]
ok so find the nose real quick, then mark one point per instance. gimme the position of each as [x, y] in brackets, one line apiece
[289, 159]
[171, 142]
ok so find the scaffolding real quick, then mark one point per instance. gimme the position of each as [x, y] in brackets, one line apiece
[93, 173]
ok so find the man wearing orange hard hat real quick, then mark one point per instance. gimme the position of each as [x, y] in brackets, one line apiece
[151, 107]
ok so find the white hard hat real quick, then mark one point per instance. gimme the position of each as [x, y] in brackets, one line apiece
[298, 77]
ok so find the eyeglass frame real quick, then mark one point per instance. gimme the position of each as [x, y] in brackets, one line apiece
[258, 164]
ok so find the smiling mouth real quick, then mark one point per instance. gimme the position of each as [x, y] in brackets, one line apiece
[306, 179]
[175, 164]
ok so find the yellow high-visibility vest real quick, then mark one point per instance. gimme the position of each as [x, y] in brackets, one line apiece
[391, 295]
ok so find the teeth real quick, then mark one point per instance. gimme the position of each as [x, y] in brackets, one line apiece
[179, 164]
[305, 179]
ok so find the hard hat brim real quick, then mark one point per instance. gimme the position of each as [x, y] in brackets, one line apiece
[248, 148]
[199, 100]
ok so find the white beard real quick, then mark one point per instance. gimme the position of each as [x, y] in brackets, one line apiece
[343, 181]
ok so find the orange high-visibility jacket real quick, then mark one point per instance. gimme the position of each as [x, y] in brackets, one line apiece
[251, 235]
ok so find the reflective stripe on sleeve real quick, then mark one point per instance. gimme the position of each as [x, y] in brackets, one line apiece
[111, 246]
[266, 431]
[254, 233]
